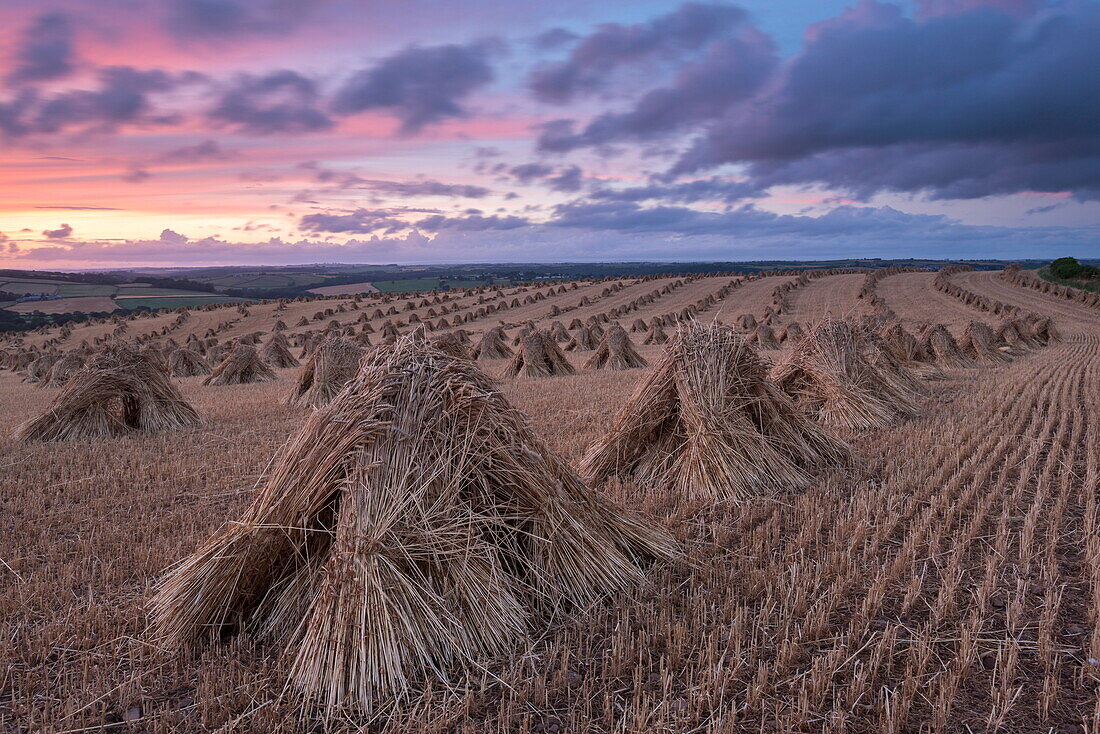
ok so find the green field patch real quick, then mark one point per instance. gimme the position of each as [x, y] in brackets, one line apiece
[263, 280]
[78, 290]
[411, 284]
[29, 287]
[126, 295]
[428, 284]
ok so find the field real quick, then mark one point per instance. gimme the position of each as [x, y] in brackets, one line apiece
[87, 304]
[947, 581]
[344, 290]
[95, 298]
[418, 284]
[183, 298]
[263, 280]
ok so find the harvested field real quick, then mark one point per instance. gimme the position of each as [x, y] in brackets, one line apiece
[946, 579]
[915, 301]
[343, 290]
[87, 304]
[836, 295]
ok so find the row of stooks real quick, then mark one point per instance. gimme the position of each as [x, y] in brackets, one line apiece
[555, 287]
[52, 369]
[538, 353]
[1017, 276]
[489, 307]
[485, 304]
[415, 530]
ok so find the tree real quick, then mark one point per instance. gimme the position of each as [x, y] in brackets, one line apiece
[1065, 268]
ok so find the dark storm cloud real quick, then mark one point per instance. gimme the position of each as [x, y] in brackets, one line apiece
[123, 95]
[420, 85]
[407, 189]
[277, 102]
[729, 73]
[749, 221]
[687, 192]
[45, 51]
[528, 172]
[427, 188]
[965, 100]
[207, 150]
[568, 179]
[360, 221]
[613, 45]
[945, 171]
[960, 105]
[554, 38]
[213, 19]
[927, 8]
[470, 223]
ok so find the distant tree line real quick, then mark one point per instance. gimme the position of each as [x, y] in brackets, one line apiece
[15, 321]
[181, 284]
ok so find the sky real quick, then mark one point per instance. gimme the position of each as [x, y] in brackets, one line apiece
[226, 132]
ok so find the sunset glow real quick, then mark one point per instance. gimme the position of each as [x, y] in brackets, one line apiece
[244, 131]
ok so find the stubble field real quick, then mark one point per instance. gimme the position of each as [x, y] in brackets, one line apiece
[949, 580]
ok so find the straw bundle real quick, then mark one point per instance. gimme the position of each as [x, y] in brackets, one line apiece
[493, 345]
[584, 340]
[559, 332]
[936, 340]
[38, 368]
[276, 352]
[838, 375]
[707, 424]
[538, 356]
[764, 337]
[903, 345]
[790, 334]
[746, 321]
[118, 391]
[63, 370]
[154, 354]
[1045, 330]
[187, 363]
[1009, 331]
[389, 331]
[453, 343]
[331, 366]
[414, 531]
[980, 344]
[898, 375]
[22, 359]
[655, 335]
[615, 352]
[242, 366]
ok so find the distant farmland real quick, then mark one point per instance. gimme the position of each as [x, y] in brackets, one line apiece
[344, 290]
[69, 297]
